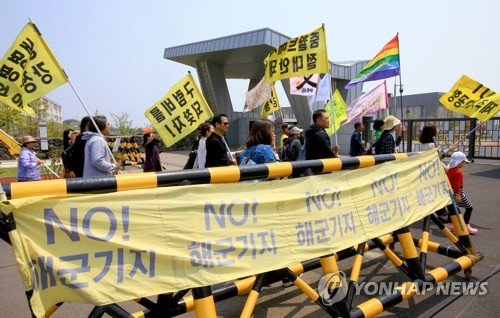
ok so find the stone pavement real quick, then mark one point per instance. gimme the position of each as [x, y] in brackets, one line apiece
[481, 185]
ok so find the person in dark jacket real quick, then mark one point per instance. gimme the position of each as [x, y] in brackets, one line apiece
[357, 142]
[318, 144]
[294, 147]
[218, 153]
[150, 141]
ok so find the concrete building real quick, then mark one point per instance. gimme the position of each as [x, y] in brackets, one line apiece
[241, 56]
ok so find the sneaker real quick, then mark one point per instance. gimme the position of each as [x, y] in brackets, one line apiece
[472, 231]
[450, 227]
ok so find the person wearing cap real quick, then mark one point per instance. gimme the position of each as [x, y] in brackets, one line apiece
[318, 144]
[456, 178]
[391, 136]
[294, 146]
[28, 164]
[150, 141]
[357, 142]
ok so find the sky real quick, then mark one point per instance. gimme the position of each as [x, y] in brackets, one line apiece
[112, 50]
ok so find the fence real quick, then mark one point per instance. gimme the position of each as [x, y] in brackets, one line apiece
[428, 188]
[483, 143]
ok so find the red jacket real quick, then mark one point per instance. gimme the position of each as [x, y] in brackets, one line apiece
[456, 178]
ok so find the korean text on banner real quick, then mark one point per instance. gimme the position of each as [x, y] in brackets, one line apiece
[107, 248]
[336, 111]
[303, 55]
[271, 105]
[471, 98]
[179, 112]
[28, 71]
[368, 103]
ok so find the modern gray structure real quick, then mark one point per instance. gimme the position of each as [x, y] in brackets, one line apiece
[241, 56]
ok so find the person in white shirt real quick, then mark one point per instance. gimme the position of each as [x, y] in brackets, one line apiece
[205, 130]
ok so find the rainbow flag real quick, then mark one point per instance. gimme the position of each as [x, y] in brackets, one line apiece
[385, 64]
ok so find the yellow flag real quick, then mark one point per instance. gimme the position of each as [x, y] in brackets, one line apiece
[28, 71]
[303, 55]
[336, 109]
[179, 112]
[271, 105]
[471, 98]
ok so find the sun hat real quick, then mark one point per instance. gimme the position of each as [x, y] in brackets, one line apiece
[391, 122]
[147, 130]
[456, 158]
[295, 130]
[26, 139]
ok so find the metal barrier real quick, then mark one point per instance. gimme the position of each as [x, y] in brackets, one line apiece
[203, 299]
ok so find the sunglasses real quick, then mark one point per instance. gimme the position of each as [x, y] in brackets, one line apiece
[226, 124]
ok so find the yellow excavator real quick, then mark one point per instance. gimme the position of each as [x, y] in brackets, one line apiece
[13, 146]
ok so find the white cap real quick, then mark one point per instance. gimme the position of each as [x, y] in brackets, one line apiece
[294, 130]
[456, 158]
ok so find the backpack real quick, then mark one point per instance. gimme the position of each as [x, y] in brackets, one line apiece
[283, 153]
[248, 160]
[73, 157]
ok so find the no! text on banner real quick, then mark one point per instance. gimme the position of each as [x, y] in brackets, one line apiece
[108, 248]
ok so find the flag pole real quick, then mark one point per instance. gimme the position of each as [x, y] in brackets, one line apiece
[334, 128]
[91, 118]
[81, 101]
[401, 93]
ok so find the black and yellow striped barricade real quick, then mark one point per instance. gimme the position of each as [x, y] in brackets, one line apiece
[141, 235]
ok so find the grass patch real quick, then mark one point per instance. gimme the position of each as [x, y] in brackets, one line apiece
[8, 172]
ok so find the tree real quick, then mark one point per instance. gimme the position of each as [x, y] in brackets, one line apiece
[122, 123]
[11, 120]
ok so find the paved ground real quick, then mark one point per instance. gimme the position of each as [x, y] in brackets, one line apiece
[482, 185]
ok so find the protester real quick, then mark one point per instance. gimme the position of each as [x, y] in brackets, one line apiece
[391, 136]
[97, 155]
[294, 147]
[285, 127]
[456, 178]
[150, 141]
[260, 143]
[218, 153]
[205, 131]
[74, 156]
[357, 142]
[318, 144]
[378, 125]
[69, 136]
[28, 164]
[428, 140]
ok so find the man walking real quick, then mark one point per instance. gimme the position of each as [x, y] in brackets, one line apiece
[218, 153]
[318, 144]
[357, 142]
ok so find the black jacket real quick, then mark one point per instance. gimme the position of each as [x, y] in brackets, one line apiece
[216, 152]
[357, 147]
[318, 143]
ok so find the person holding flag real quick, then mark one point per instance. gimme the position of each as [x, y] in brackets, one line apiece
[318, 144]
[28, 166]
